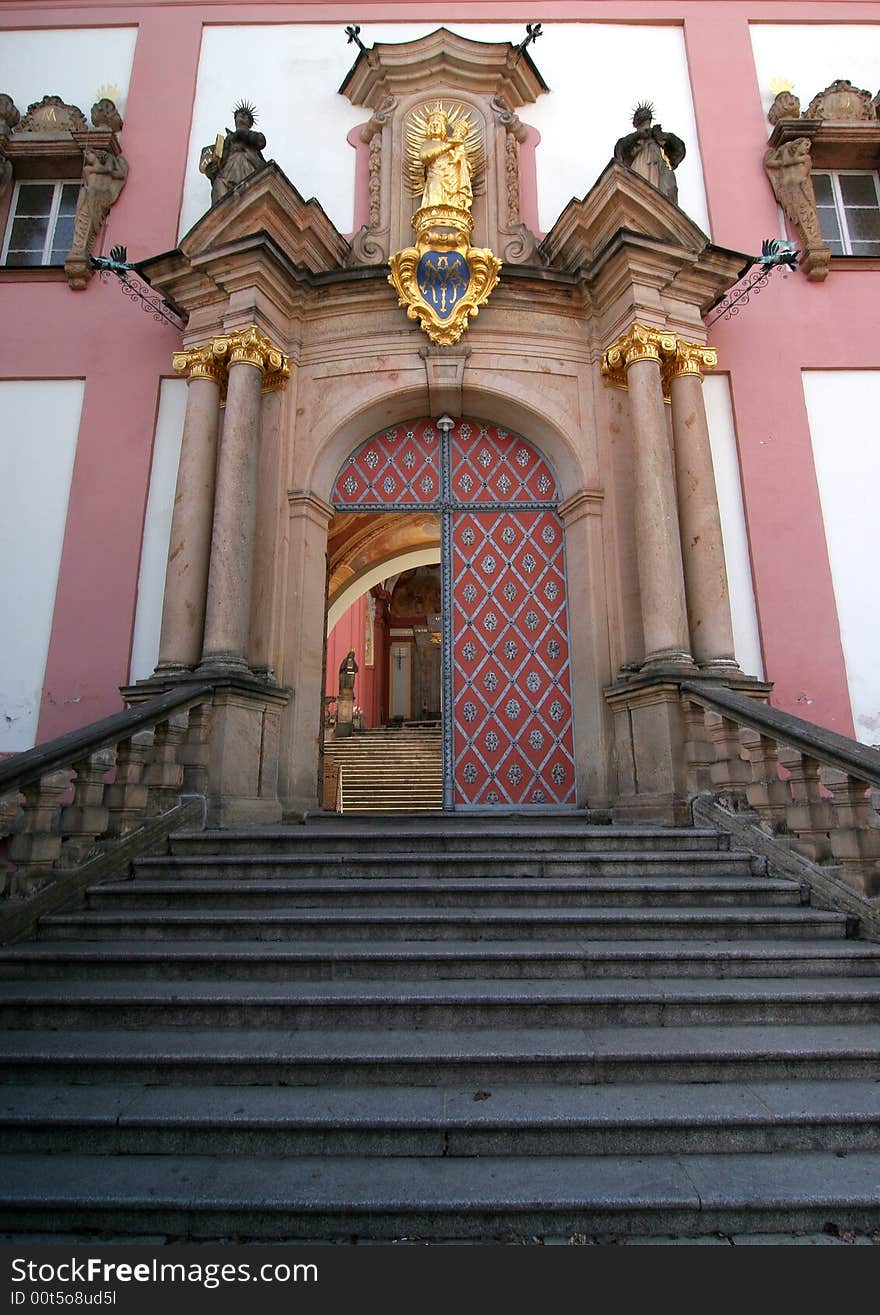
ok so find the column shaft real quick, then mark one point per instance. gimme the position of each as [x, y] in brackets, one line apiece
[661, 579]
[705, 572]
[189, 549]
[235, 509]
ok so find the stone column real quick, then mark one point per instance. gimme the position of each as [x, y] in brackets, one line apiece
[227, 618]
[189, 549]
[702, 547]
[634, 362]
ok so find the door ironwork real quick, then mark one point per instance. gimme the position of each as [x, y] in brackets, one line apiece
[508, 733]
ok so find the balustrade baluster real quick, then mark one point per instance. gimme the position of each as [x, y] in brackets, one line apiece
[855, 842]
[83, 821]
[809, 816]
[193, 752]
[163, 774]
[34, 849]
[126, 798]
[767, 793]
[730, 772]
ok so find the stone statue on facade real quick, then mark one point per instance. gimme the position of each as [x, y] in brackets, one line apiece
[234, 156]
[789, 167]
[444, 159]
[651, 152]
[9, 119]
[103, 178]
[348, 669]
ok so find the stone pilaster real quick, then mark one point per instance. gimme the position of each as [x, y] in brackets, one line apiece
[702, 546]
[635, 362]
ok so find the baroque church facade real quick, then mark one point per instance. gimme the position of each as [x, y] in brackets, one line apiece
[455, 361]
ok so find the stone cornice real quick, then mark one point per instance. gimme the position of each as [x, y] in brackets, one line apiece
[443, 57]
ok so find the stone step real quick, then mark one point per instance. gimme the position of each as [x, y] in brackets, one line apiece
[600, 1003]
[417, 866]
[147, 893]
[257, 1197]
[639, 1119]
[475, 1057]
[440, 960]
[406, 924]
[330, 833]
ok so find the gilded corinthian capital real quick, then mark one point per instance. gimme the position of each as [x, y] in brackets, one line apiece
[689, 358]
[674, 355]
[247, 346]
[199, 363]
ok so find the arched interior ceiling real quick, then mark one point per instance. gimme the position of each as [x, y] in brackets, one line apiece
[366, 547]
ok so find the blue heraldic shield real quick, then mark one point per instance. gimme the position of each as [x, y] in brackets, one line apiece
[443, 278]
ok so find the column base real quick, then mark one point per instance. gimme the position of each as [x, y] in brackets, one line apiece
[720, 667]
[213, 665]
[673, 660]
[171, 670]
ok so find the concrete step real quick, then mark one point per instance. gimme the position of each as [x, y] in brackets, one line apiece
[464, 1056]
[606, 1002]
[254, 1197]
[330, 833]
[461, 924]
[148, 893]
[640, 1119]
[440, 960]
[416, 866]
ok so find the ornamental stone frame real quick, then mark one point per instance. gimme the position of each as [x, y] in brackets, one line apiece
[623, 278]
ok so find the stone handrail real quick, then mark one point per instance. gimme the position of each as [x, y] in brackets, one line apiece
[159, 752]
[806, 784]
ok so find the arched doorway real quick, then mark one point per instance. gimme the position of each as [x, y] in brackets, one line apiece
[508, 731]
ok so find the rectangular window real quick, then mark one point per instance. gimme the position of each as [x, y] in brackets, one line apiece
[40, 228]
[848, 204]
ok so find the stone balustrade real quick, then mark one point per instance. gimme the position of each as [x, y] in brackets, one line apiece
[61, 801]
[805, 785]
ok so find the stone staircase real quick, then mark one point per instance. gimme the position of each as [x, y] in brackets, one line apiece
[441, 1027]
[390, 769]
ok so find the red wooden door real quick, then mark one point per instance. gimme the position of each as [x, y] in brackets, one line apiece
[508, 727]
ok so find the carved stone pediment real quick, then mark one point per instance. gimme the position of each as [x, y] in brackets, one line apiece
[268, 202]
[485, 81]
[625, 240]
[619, 200]
[841, 102]
[51, 114]
[413, 68]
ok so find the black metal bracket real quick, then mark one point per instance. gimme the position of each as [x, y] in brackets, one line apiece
[775, 254]
[353, 32]
[117, 263]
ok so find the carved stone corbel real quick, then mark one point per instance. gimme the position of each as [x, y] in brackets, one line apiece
[788, 167]
[103, 179]
[524, 249]
[369, 246]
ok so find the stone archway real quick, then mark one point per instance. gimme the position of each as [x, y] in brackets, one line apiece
[508, 719]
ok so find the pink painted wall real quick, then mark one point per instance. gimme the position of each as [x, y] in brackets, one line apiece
[100, 336]
[349, 633]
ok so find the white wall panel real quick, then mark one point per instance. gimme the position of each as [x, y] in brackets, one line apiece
[38, 433]
[596, 73]
[812, 55]
[71, 63]
[722, 439]
[844, 412]
[157, 528]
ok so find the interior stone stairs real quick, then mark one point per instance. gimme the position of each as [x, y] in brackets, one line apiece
[441, 1028]
[390, 769]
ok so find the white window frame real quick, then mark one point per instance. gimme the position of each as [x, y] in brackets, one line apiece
[58, 184]
[839, 207]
